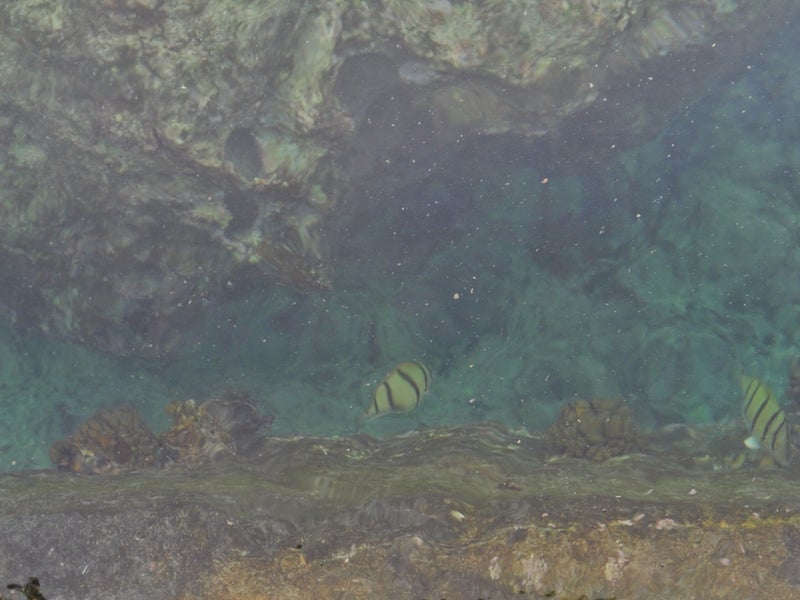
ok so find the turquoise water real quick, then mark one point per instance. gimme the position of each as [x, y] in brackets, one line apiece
[522, 274]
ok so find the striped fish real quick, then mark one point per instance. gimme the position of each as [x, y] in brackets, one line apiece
[400, 391]
[766, 420]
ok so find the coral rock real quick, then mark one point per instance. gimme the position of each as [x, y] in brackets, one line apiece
[110, 441]
[227, 425]
[117, 440]
[597, 429]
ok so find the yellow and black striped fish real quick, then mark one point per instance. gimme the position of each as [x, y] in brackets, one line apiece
[400, 391]
[764, 416]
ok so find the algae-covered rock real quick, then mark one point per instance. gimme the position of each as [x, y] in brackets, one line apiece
[470, 512]
[157, 154]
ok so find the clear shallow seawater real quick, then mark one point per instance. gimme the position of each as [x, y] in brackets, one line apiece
[523, 275]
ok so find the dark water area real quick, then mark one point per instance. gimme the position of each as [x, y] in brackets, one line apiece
[524, 272]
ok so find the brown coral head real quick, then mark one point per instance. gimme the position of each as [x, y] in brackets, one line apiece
[597, 429]
[110, 441]
[227, 425]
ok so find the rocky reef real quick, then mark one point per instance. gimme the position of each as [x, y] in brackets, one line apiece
[156, 155]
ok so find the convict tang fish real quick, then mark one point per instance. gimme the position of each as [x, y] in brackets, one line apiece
[400, 391]
[766, 420]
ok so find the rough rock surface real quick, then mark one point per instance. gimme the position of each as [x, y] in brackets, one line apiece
[158, 153]
[472, 512]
